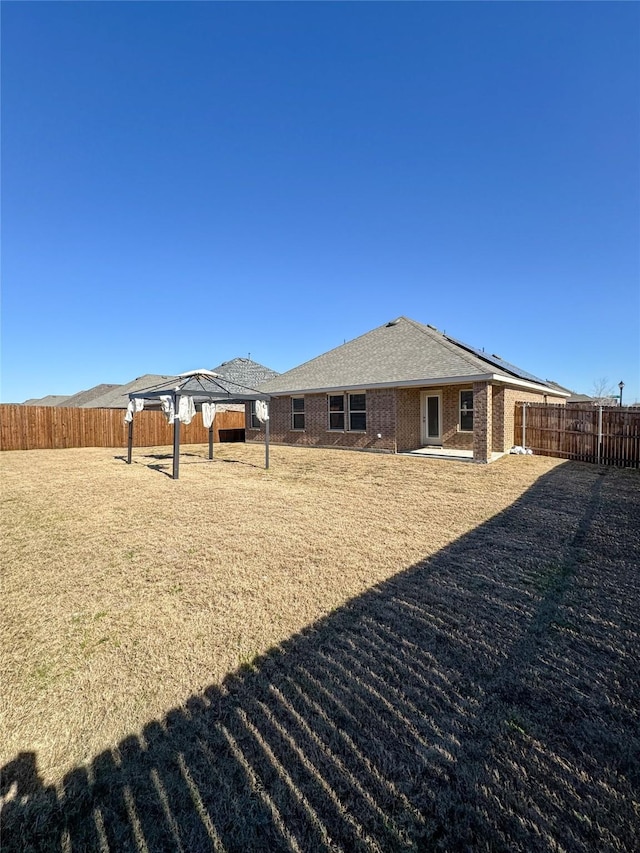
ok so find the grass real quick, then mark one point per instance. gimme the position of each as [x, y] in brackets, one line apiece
[362, 652]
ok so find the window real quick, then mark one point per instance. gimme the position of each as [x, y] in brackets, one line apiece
[255, 423]
[466, 411]
[358, 412]
[336, 411]
[297, 412]
[356, 419]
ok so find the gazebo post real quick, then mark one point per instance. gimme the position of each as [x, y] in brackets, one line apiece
[211, 442]
[266, 444]
[176, 440]
[130, 441]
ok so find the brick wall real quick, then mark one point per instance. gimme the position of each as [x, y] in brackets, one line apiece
[482, 421]
[408, 419]
[452, 437]
[381, 420]
[396, 415]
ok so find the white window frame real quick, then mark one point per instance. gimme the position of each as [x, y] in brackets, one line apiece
[346, 411]
[357, 411]
[294, 413]
[255, 423]
[341, 412]
[466, 411]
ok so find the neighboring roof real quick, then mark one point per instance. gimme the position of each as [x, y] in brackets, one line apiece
[118, 397]
[245, 371]
[580, 398]
[86, 398]
[573, 397]
[402, 352]
[49, 400]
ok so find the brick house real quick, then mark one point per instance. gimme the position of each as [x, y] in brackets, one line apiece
[398, 388]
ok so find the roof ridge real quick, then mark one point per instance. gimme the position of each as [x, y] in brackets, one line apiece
[434, 334]
[343, 344]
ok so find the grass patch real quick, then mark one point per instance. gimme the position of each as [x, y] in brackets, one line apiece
[300, 659]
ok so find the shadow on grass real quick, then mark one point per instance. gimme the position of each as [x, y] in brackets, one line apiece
[484, 700]
[194, 459]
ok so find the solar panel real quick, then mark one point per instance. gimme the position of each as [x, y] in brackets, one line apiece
[496, 361]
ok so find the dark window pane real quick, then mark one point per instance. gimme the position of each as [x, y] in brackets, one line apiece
[357, 402]
[466, 421]
[433, 417]
[358, 421]
[298, 404]
[298, 421]
[466, 411]
[336, 403]
[336, 420]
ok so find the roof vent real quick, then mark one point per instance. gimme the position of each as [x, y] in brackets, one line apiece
[493, 355]
[392, 323]
[429, 326]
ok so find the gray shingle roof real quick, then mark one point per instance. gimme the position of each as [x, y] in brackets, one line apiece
[49, 400]
[86, 398]
[118, 397]
[402, 351]
[245, 372]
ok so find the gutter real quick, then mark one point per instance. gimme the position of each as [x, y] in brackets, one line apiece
[496, 378]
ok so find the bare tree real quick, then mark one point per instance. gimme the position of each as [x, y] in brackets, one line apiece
[603, 392]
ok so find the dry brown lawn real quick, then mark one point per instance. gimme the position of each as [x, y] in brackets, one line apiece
[362, 651]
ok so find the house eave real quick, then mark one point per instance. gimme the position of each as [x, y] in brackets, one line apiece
[469, 379]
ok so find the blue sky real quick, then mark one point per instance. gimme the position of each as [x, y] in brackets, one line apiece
[184, 183]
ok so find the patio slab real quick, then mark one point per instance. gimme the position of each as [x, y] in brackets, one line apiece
[446, 453]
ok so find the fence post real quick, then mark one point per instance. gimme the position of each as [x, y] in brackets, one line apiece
[599, 435]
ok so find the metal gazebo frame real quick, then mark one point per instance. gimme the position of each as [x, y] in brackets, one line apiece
[204, 386]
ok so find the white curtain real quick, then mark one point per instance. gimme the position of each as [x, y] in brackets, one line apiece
[166, 401]
[135, 405]
[208, 414]
[186, 410]
[262, 411]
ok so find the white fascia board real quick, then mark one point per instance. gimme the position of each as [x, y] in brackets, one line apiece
[498, 378]
[410, 383]
[525, 383]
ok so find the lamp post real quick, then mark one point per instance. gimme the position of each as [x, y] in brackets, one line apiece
[621, 386]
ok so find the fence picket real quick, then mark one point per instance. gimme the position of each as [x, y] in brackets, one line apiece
[573, 432]
[53, 427]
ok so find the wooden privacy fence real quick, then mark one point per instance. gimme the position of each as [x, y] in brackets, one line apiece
[53, 427]
[606, 435]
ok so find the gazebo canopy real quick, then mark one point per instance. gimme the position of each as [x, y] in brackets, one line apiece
[203, 386]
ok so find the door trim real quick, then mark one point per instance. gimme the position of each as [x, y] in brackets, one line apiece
[425, 438]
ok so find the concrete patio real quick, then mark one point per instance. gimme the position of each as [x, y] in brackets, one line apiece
[446, 453]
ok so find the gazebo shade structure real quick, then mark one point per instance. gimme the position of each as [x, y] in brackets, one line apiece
[203, 386]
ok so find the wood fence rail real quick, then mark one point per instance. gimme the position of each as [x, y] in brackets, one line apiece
[54, 427]
[606, 435]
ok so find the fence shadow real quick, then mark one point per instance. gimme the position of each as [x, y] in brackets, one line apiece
[486, 699]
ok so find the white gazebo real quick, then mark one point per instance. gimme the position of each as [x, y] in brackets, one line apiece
[194, 391]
